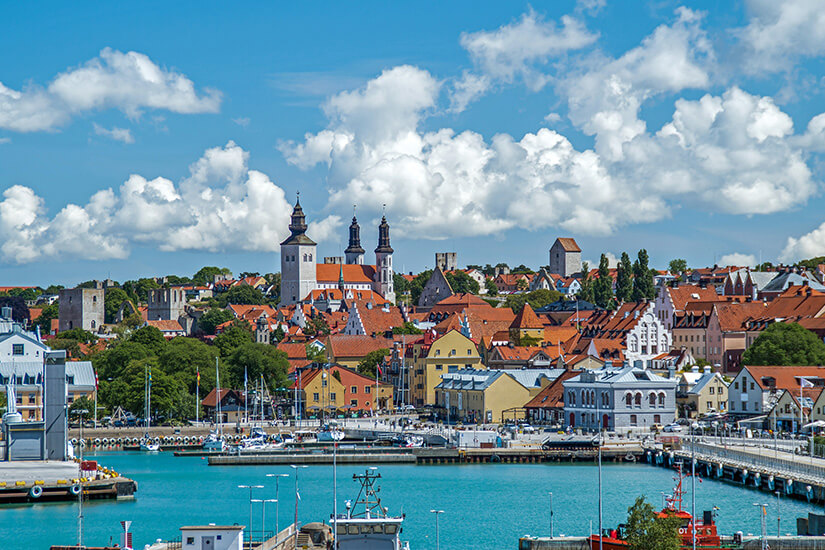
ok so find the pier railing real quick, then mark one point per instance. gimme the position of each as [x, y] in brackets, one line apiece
[774, 465]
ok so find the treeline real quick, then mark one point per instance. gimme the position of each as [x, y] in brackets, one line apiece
[634, 281]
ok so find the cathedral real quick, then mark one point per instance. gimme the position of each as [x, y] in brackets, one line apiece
[301, 275]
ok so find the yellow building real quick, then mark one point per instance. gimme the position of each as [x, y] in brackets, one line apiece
[320, 391]
[699, 394]
[473, 395]
[433, 357]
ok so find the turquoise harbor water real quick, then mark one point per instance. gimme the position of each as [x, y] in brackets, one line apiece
[486, 506]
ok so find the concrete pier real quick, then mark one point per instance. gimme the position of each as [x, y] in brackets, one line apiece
[39, 481]
[748, 543]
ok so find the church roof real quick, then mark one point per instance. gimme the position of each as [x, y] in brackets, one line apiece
[568, 244]
[353, 273]
[298, 228]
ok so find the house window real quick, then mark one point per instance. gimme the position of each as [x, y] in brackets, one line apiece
[353, 402]
[736, 385]
[438, 352]
[332, 396]
[367, 389]
[17, 349]
[354, 389]
[752, 386]
[638, 399]
[661, 400]
[710, 390]
[744, 405]
[652, 399]
[632, 419]
[469, 352]
[628, 399]
[315, 397]
[657, 419]
[438, 367]
[710, 404]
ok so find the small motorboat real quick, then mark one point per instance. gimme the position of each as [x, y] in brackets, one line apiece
[149, 447]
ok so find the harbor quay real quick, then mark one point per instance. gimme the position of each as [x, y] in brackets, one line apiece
[776, 470]
[41, 481]
[746, 543]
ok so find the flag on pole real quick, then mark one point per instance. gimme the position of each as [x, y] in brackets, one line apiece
[96, 381]
[199, 375]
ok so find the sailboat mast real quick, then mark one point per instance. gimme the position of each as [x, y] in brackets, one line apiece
[219, 419]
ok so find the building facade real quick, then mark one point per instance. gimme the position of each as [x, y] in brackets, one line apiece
[81, 308]
[166, 304]
[626, 398]
[565, 257]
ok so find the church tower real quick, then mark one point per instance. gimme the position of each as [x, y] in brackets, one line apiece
[383, 263]
[354, 252]
[297, 260]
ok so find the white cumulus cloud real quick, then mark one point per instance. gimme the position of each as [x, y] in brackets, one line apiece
[130, 82]
[221, 205]
[117, 134]
[738, 259]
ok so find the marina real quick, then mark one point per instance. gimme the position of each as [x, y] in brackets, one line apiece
[510, 500]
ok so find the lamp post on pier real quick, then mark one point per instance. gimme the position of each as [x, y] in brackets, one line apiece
[277, 504]
[437, 542]
[263, 502]
[251, 488]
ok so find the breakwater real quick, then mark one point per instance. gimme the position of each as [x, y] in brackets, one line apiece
[748, 543]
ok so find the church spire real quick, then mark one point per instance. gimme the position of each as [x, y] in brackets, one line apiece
[384, 237]
[298, 225]
[341, 285]
[354, 249]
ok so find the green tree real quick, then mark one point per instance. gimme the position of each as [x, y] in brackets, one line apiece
[241, 294]
[112, 362]
[72, 347]
[279, 334]
[407, 328]
[316, 354]
[212, 318]
[537, 298]
[112, 301]
[491, 286]
[46, 316]
[624, 278]
[317, 327]
[78, 335]
[603, 286]
[522, 285]
[185, 357]
[233, 337]
[644, 530]
[368, 365]
[138, 290]
[80, 404]
[53, 289]
[523, 269]
[149, 337]
[416, 286]
[643, 288]
[677, 266]
[785, 344]
[400, 283]
[460, 282]
[256, 360]
[207, 274]
[586, 293]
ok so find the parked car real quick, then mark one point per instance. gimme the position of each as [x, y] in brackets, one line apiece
[671, 428]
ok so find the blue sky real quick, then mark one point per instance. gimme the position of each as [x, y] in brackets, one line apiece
[148, 139]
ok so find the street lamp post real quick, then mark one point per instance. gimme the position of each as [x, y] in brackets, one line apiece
[297, 498]
[277, 503]
[437, 542]
[778, 514]
[551, 514]
[763, 512]
[693, 481]
[263, 502]
[251, 488]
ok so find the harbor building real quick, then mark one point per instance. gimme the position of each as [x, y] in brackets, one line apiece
[301, 275]
[619, 399]
[27, 378]
[80, 308]
[18, 345]
[476, 395]
[434, 356]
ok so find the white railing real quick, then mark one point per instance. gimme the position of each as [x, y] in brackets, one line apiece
[775, 465]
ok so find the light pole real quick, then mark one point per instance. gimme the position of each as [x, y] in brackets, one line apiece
[80, 482]
[297, 498]
[263, 502]
[277, 504]
[693, 482]
[778, 514]
[763, 512]
[551, 514]
[251, 488]
[437, 542]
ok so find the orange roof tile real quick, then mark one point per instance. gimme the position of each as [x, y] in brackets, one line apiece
[353, 273]
[684, 294]
[552, 396]
[569, 244]
[343, 345]
[526, 319]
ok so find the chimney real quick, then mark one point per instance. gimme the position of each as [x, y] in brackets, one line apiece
[6, 312]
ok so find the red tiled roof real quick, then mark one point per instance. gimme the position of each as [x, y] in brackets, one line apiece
[683, 294]
[526, 319]
[552, 396]
[34, 312]
[786, 378]
[343, 345]
[353, 273]
[378, 321]
[166, 326]
[733, 316]
[293, 350]
[569, 244]
[211, 401]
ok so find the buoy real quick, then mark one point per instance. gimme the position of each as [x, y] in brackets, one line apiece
[186, 440]
[788, 486]
[809, 492]
[97, 441]
[75, 489]
[757, 479]
[771, 483]
[36, 491]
